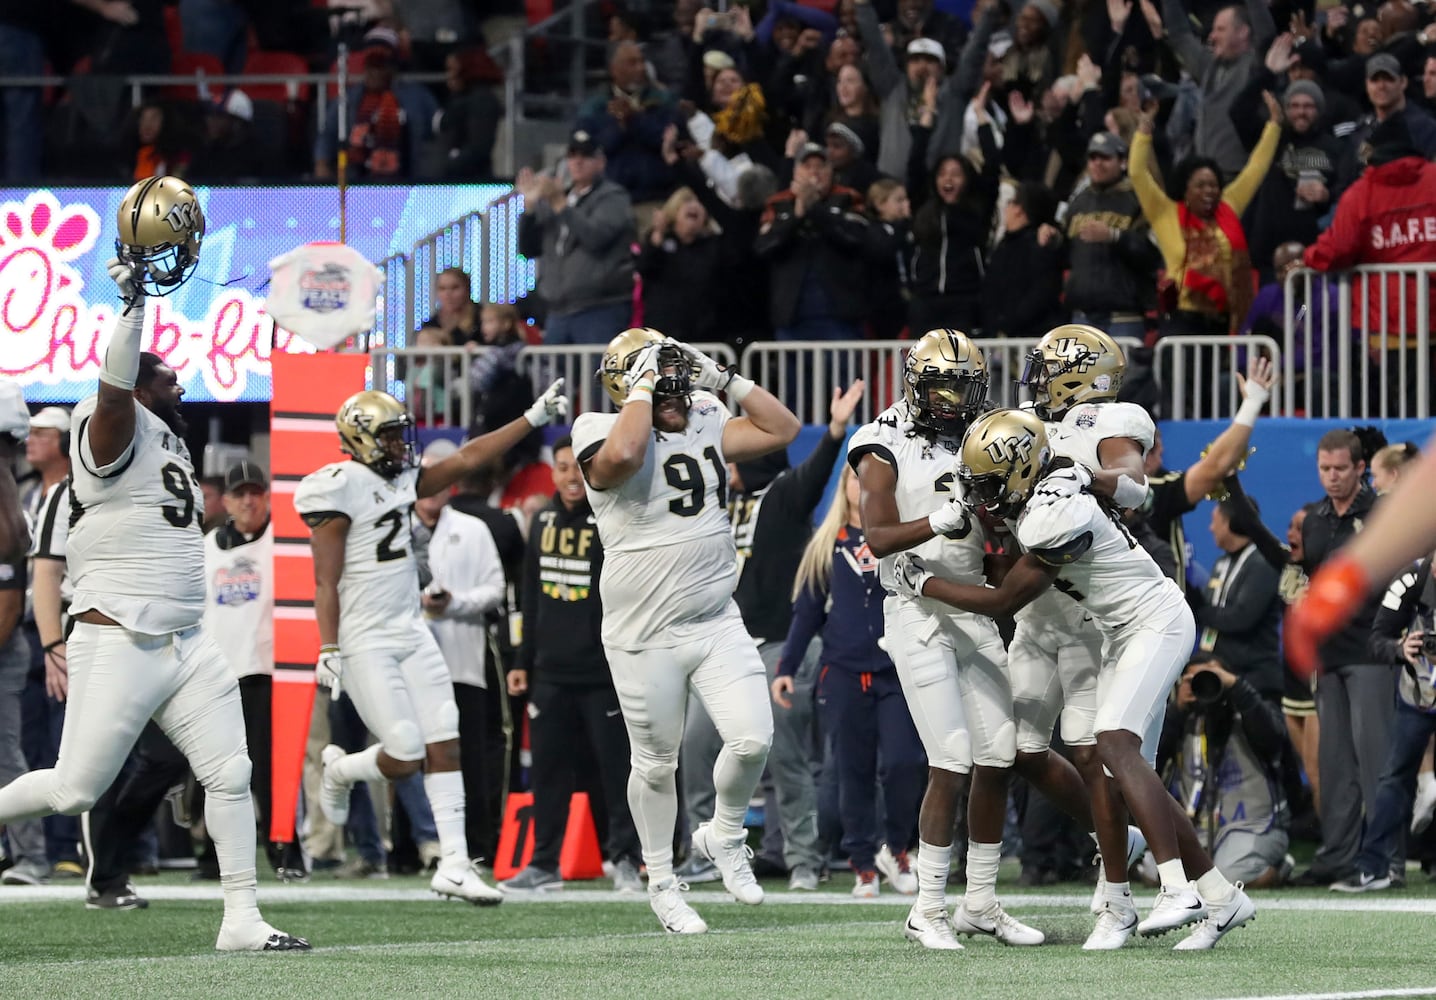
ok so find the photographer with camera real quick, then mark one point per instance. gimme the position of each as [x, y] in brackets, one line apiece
[1221, 752]
[1402, 633]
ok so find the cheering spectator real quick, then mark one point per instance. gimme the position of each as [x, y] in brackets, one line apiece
[951, 228]
[627, 123]
[899, 89]
[813, 235]
[1297, 193]
[469, 123]
[457, 315]
[1201, 236]
[682, 264]
[1222, 68]
[1112, 264]
[583, 238]
[848, 156]
[1022, 296]
[855, 108]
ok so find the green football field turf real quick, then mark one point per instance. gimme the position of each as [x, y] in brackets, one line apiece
[393, 939]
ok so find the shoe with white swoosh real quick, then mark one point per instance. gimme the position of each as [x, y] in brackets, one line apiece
[464, 882]
[1223, 917]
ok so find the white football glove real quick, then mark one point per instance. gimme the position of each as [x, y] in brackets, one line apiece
[123, 275]
[709, 374]
[909, 574]
[328, 668]
[551, 406]
[949, 517]
[14, 414]
[646, 361]
[1062, 484]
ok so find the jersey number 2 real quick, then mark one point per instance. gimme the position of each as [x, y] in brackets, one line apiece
[395, 520]
[943, 484]
[684, 472]
[177, 485]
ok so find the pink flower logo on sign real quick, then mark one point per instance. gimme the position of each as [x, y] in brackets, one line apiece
[51, 335]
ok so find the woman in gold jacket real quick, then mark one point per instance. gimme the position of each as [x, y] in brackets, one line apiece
[1201, 236]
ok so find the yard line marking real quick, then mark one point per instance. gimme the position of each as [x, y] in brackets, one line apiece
[420, 893]
[1417, 991]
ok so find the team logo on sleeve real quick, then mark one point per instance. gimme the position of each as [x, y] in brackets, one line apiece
[237, 584]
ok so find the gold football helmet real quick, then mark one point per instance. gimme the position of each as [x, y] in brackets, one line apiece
[675, 375]
[374, 428]
[1003, 454]
[944, 382]
[1074, 363]
[161, 227]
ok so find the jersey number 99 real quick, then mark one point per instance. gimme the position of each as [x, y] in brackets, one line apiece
[177, 485]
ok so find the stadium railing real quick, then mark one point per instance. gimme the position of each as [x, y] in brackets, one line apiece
[1197, 373]
[1335, 366]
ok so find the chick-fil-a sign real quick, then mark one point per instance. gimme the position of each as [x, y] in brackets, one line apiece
[57, 303]
[53, 333]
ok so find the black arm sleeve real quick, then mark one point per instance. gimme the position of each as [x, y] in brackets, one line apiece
[1246, 521]
[797, 493]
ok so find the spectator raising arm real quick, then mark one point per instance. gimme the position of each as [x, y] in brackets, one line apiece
[883, 68]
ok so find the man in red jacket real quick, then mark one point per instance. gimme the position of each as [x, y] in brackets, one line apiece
[1387, 217]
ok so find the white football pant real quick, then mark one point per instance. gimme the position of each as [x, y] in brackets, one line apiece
[405, 697]
[1054, 672]
[1139, 666]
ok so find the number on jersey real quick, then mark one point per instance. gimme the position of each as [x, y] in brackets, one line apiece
[177, 485]
[943, 484]
[685, 473]
[396, 521]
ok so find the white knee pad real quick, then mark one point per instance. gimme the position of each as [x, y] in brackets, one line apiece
[1000, 750]
[404, 741]
[956, 753]
[70, 801]
[231, 778]
[653, 771]
[1078, 726]
[749, 748]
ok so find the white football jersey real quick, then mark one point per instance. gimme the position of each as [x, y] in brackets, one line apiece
[669, 561]
[1102, 566]
[926, 479]
[379, 589]
[1087, 425]
[135, 551]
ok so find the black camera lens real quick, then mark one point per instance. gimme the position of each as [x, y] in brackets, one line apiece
[1428, 646]
[1206, 687]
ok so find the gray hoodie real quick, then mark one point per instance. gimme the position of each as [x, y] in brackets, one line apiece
[584, 252]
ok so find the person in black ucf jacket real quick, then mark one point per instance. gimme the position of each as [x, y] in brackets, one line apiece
[561, 664]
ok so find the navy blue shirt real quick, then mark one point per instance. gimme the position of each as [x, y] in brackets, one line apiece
[849, 614]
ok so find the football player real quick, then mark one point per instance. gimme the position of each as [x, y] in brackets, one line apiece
[1075, 373]
[657, 476]
[136, 561]
[375, 644]
[1147, 629]
[951, 665]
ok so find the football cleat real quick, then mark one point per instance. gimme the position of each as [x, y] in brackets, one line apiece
[333, 793]
[1136, 847]
[465, 883]
[256, 936]
[995, 922]
[931, 930]
[672, 910]
[733, 860]
[1223, 917]
[897, 870]
[1115, 924]
[1174, 908]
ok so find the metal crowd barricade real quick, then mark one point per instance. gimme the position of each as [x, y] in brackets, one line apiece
[1358, 342]
[1199, 372]
[433, 381]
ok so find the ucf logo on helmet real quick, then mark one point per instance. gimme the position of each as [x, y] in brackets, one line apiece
[1010, 449]
[182, 216]
[1079, 356]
